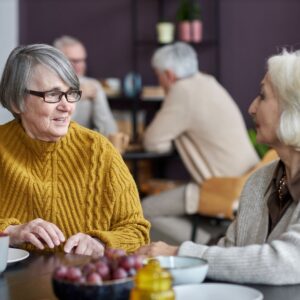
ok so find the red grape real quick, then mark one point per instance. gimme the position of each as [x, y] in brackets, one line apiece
[119, 274]
[94, 278]
[114, 265]
[102, 269]
[127, 262]
[73, 274]
[88, 268]
[60, 272]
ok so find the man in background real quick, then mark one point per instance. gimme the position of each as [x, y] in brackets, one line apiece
[206, 126]
[93, 110]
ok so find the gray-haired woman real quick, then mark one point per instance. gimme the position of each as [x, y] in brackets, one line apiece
[262, 244]
[59, 181]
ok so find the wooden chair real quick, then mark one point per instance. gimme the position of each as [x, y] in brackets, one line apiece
[220, 195]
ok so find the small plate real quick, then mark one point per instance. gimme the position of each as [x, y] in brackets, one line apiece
[216, 291]
[15, 255]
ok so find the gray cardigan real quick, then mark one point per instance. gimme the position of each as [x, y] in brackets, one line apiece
[245, 255]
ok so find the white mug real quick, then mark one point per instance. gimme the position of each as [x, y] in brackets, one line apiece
[4, 245]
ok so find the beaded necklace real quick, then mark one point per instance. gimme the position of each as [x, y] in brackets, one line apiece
[282, 187]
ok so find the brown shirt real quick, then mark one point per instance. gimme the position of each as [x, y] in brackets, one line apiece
[290, 192]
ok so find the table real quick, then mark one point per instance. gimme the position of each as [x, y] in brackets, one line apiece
[31, 279]
[138, 155]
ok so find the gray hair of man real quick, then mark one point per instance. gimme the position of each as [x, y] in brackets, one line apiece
[284, 72]
[19, 68]
[179, 57]
[65, 41]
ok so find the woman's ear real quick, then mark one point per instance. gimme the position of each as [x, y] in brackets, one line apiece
[15, 110]
[171, 76]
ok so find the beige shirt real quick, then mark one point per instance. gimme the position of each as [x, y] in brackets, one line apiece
[207, 127]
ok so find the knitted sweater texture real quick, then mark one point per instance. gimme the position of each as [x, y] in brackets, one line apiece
[247, 254]
[80, 183]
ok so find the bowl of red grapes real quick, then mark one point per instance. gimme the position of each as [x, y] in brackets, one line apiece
[109, 277]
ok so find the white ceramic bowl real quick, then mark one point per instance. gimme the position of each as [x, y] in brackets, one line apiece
[184, 269]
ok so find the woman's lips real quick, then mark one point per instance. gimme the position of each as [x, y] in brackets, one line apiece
[61, 120]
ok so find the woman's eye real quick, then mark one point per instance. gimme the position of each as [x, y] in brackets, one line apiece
[53, 94]
[261, 96]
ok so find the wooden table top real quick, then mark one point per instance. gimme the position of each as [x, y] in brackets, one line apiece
[30, 279]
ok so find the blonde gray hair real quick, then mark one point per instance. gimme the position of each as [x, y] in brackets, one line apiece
[19, 67]
[284, 72]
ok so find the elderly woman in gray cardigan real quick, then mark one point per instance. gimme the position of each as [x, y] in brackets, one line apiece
[263, 244]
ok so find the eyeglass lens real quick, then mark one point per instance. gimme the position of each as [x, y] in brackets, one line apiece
[55, 96]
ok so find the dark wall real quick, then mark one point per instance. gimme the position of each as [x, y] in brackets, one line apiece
[103, 26]
[250, 31]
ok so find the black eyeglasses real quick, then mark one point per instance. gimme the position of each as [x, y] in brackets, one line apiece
[56, 96]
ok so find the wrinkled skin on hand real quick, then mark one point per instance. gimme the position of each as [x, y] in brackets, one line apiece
[41, 233]
[38, 232]
[157, 248]
[84, 244]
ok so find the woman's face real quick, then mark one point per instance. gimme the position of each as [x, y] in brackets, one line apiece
[41, 120]
[265, 112]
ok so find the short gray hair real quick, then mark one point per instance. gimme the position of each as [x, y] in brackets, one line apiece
[19, 67]
[179, 57]
[65, 41]
[284, 72]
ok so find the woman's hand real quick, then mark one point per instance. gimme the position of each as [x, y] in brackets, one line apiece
[84, 244]
[38, 232]
[157, 248]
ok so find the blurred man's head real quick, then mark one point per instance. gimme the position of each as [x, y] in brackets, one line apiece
[74, 51]
[173, 62]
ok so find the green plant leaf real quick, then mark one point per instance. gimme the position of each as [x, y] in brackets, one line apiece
[188, 10]
[261, 149]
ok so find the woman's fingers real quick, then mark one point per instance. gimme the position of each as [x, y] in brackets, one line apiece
[37, 232]
[43, 234]
[55, 233]
[71, 243]
[84, 244]
[33, 239]
[48, 233]
[83, 247]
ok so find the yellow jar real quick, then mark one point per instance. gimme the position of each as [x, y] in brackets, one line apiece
[152, 283]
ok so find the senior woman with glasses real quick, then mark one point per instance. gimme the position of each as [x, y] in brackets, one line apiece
[263, 244]
[63, 187]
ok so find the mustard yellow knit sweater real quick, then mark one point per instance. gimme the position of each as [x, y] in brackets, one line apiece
[80, 183]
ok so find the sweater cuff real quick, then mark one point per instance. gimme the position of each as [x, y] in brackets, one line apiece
[4, 223]
[191, 249]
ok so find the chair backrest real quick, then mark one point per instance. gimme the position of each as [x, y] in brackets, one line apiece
[219, 196]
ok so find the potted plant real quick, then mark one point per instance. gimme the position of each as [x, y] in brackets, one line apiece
[189, 21]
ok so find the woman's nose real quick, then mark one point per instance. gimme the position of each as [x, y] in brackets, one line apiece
[64, 104]
[252, 107]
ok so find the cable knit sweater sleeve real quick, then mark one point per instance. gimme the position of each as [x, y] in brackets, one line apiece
[246, 254]
[128, 228]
